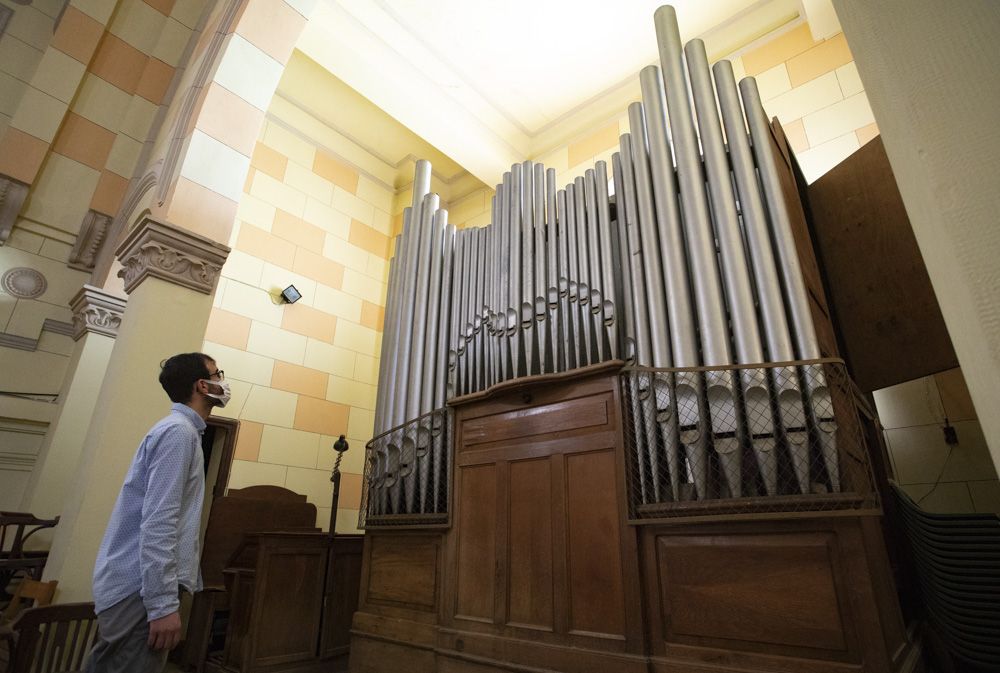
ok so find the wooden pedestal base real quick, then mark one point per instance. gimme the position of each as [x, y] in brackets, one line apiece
[540, 570]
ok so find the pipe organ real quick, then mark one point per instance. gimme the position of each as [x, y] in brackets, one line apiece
[662, 300]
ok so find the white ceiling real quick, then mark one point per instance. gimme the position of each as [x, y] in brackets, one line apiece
[490, 83]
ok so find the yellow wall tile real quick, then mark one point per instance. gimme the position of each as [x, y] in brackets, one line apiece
[270, 407]
[346, 254]
[248, 441]
[39, 114]
[310, 322]
[819, 60]
[597, 141]
[138, 118]
[319, 268]
[30, 25]
[274, 279]
[245, 473]
[382, 222]
[19, 59]
[266, 246]
[955, 395]
[850, 81]
[369, 239]
[355, 337]
[298, 379]
[278, 194]
[374, 193]
[773, 82]
[326, 218]
[838, 119]
[58, 75]
[11, 90]
[309, 183]
[315, 485]
[252, 302]
[285, 446]
[61, 195]
[164, 7]
[321, 416]
[350, 392]
[806, 99]
[776, 51]
[124, 155]
[228, 329]
[243, 267]
[366, 369]
[256, 212]
[289, 144]
[819, 159]
[372, 316]
[362, 422]
[137, 23]
[297, 231]
[276, 343]
[348, 203]
[363, 286]
[241, 365]
[329, 358]
[336, 171]
[171, 42]
[338, 303]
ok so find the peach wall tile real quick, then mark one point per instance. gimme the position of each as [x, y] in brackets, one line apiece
[368, 239]
[298, 379]
[164, 7]
[819, 60]
[110, 191]
[294, 229]
[77, 35]
[350, 491]
[201, 210]
[228, 329]
[867, 133]
[337, 172]
[597, 141]
[796, 133]
[155, 81]
[318, 415]
[782, 48]
[230, 120]
[372, 315]
[248, 441]
[260, 243]
[268, 160]
[318, 267]
[310, 322]
[21, 155]
[118, 63]
[273, 27]
[82, 140]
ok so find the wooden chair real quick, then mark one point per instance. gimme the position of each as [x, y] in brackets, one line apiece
[956, 558]
[53, 639]
[28, 590]
[15, 529]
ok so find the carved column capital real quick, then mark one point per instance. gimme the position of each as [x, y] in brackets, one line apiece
[95, 310]
[12, 195]
[172, 254]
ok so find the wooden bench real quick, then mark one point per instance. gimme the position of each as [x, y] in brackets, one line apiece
[53, 639]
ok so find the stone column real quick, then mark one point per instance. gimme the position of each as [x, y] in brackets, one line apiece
[97, 315]
[170, 275]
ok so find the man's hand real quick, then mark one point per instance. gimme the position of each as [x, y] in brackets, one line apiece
[165, 632]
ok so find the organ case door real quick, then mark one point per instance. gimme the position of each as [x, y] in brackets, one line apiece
[540, 551]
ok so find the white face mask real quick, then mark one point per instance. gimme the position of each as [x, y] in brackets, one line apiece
[223, 399]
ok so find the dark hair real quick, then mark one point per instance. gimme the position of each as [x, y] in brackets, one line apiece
[179, 373]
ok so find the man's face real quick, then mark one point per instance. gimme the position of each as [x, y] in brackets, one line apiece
[215, 375]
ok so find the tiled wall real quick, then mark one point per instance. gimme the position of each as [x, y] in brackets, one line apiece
[302, 374]
[944, 478]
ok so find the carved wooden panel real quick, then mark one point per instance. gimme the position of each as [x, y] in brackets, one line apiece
[543, 419]
[530, 571]
[403, 570]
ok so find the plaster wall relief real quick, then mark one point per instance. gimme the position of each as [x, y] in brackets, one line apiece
[12, 195]
[177, 256]
[97, 311]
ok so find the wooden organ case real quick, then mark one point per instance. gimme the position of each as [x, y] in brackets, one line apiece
[525, 528]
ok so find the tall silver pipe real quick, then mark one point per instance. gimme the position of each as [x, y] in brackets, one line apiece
[610, 307]
[567, 294]
[539, 303]
[555, 318]
[454, 329]
[579, 294]
[514, 305]
[386, 368]
[526, 308]
[505, 285]
[595, 275]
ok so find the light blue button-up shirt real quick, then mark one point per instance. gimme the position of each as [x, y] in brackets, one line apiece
[151, 545]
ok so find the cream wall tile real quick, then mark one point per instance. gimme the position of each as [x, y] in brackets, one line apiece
[275, 279]
[806, 99]
[338, 303]
[278, 194]
[911, 403]
[58, 75]
[374, 193]
[361, 423]
[57, 344]
[773, 82]
[252, 302]
[11, 90]
[137, 24]
[354, 461]
[557, 159]
[351, 392]
[943, 498]
[850, 81]
[382, 221]
[19, 58]
[188, 12]
[314, 484]
[366, 370]
[348, 203]
[243, 267]
[242, 365]
[7, 304]
[255, 211]
[45, 371]
[918, 452]
[304, 180]
[220, 290]
[276, 343]
[171, 42]
[31, 26]
[325, 217]
[356, 338]
[139, 118]
[25, 240]
[970, 458]
[124, 155]
[39, 114]
[818, 160]
[61, 196]
[985, 495]
[215, 165]
[377, 268]
[288, 143]
[838, 119]
[55, 250]
[347, 521]
[303, 7]
[28, 316]
[362, 285]
[288, 447]
[479, 220]
[347, 254]
[97, 9]
[270, 407]
[248, 72]
[245, 473]
[328, 358]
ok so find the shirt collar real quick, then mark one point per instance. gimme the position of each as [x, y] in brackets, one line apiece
[197, 421]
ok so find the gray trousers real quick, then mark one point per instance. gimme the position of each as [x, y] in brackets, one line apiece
[121, 645]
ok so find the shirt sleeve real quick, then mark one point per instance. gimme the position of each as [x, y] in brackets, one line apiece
[168, 459]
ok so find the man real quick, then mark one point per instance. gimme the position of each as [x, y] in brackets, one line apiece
[150, 551]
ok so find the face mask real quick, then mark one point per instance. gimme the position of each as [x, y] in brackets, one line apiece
[223, 399]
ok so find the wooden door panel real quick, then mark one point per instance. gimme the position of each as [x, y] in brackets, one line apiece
[530, 601]
[477, 543]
